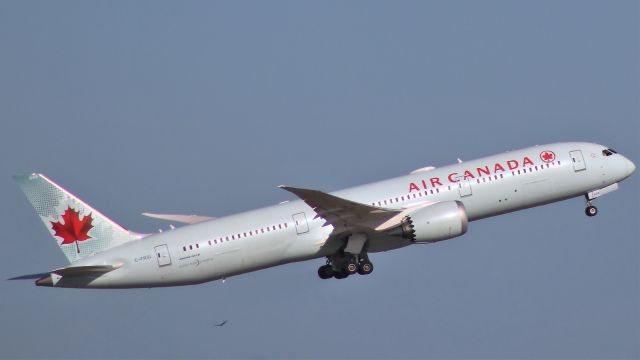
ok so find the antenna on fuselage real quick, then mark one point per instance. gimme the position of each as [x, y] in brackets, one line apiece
[459, 161]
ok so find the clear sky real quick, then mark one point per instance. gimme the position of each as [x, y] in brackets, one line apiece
[204, 107]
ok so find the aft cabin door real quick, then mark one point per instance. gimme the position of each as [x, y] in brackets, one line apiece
[162, 254]
[578, 160]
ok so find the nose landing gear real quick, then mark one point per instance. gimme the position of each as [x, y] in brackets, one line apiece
[591, 210]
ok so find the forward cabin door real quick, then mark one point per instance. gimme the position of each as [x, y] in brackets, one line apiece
[162, 254]
[578, 160]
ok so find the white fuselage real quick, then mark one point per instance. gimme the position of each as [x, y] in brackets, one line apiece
[290, 231]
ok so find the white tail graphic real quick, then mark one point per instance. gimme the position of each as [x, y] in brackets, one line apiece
[79, 229]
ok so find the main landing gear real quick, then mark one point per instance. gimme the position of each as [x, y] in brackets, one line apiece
[351, 259]
[342, 265]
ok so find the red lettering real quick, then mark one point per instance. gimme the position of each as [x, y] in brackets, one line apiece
[497, 168]
[512, 164]
[424, 184]
[468, 174]
[435, 181]
[484, 170]
[526, 161]
[413, 186]
[452, 177]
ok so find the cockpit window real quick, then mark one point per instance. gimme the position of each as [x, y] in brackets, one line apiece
[608, 152]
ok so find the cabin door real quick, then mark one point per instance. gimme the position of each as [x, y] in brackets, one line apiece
[464, 186]
[578, 160]
[300, 220]
[162, 254]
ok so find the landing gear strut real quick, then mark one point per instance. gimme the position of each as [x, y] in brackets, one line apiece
[590, 210]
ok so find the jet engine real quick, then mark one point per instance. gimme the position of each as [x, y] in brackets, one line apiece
[437, 222]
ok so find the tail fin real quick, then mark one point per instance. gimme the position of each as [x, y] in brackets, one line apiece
[78, 229]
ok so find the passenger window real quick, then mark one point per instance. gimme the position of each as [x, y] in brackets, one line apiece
[184, 248]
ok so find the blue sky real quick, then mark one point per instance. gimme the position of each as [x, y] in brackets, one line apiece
[205, 107]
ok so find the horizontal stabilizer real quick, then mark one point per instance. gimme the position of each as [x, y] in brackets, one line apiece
[423, 169]
[94, 270]
[51, 278]
[187, 219]
[29, 277]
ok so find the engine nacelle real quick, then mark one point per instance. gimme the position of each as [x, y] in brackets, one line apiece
[437, 222]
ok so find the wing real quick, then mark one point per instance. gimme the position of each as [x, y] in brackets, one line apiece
[348, 214]
[187, 219]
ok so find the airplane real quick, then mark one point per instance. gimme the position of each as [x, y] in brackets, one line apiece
[426, 206]
[221, 324]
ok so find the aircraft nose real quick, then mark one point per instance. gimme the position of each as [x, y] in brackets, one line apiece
[631, 167]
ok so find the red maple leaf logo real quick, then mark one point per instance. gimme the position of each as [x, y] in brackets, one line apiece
[74, 229]
[547, 156]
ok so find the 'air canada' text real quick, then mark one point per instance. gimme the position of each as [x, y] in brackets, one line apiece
[486, 170]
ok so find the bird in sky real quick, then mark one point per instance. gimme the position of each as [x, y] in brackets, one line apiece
[222, 323]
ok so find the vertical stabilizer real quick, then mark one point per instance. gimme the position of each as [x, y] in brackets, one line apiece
[79, 229]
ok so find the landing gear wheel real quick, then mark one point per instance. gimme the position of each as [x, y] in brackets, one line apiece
[351, 268]
[365, 268]
[591, 210]
[325, 272]
[341, 274]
